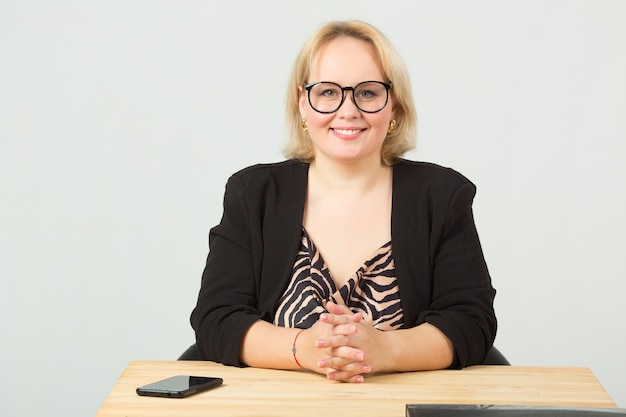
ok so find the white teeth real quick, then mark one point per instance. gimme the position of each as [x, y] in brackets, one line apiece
[348, 132]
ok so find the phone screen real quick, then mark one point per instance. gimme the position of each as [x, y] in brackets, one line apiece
[179, 386]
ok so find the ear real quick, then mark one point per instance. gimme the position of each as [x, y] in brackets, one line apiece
[302, 103]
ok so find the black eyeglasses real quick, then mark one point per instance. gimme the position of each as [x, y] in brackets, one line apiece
[368, 96]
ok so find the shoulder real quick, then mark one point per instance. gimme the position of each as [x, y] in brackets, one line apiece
[284, 175]
[431, 185]
[268, 170]
[281, 167]
[421, 174]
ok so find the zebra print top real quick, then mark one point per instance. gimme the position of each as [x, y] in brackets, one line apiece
[373, 290]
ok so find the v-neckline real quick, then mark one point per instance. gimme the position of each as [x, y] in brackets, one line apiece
[312, 248]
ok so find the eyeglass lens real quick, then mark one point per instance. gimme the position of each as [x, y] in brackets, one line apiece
[327, 97]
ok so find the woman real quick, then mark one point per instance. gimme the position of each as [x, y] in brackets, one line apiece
[346, 259]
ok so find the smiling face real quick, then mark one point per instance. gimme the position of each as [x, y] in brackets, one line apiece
[348, 135]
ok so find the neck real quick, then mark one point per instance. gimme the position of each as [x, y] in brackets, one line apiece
[355, 177]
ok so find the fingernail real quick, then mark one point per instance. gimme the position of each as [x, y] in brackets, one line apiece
[366, 368]
[359, 378]
[359, 356]
[319, 343]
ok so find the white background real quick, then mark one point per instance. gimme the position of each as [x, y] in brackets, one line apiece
[121, 120]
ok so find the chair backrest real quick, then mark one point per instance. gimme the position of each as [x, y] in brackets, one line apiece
[495, 357]
[191, 354]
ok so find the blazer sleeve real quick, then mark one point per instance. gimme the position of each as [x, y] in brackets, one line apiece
[462, 294]
[226, 305]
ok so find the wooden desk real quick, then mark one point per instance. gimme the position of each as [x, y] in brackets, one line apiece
[265, 392]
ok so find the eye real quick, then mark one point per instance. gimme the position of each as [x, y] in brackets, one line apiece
[366, 94]
[329, 92]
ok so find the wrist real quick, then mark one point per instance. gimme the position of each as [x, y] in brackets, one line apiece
[294, 348]
[397, 348]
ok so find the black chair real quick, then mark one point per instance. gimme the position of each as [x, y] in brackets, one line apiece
[191, 354]
[494, 357]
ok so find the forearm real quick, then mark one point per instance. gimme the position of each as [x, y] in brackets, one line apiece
[418, 349]
[267, 346]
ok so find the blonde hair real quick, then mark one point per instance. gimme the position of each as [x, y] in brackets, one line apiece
[397, 143]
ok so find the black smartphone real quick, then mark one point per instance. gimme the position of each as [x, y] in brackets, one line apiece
[179, 386]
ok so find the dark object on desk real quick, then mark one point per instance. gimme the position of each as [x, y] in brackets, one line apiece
[494, 357]
[179, 386]
[453, 410]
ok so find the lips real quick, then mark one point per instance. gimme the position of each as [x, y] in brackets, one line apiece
[348, 132]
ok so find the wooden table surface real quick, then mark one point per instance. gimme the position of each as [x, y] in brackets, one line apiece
[266, 392]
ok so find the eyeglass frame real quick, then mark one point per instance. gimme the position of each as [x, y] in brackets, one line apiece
[308, 88]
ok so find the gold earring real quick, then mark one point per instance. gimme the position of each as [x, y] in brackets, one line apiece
[303, 124]
[392, 126]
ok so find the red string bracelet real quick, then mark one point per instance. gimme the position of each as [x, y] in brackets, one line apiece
[294, 350]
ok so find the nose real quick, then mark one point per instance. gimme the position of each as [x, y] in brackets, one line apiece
[348, 108]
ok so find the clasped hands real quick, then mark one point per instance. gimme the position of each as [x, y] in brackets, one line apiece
[342, 345]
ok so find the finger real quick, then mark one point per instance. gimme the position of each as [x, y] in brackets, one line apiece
[329, 365]
[326, 371]
[335, 319]
[345, 329]
[335, 308]
[344, 376]
[357, 379]
[342, 310]
[332, 363]
[336, 341]
[345, 371]
[357, 317]
[355, 367]
[340, 329]
[341, 355]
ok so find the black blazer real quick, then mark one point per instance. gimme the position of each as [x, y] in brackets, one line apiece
[441, 272]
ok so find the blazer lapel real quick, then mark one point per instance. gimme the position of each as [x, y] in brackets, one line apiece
[402, 234]
[283, 230]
